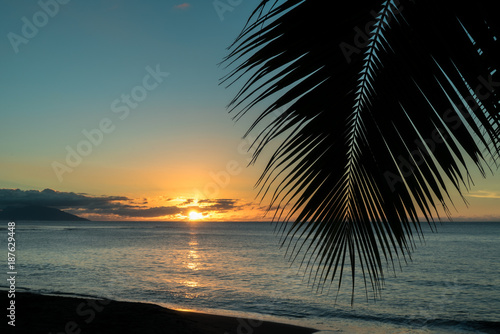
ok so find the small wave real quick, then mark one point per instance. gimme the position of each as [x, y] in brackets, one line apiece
[53, 293]
[432, 324]
[71, 294]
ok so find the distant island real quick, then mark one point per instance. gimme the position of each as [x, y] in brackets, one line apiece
[35, 212]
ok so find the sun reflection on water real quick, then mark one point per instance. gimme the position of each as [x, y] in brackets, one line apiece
[193, 257]
[192, 263]
[190, 284]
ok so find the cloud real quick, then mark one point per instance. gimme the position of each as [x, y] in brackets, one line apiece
[56, 199]
[111, 207]
[484, 194]
[218, 204]
[134, 212]
[183, 6]
[187, 201]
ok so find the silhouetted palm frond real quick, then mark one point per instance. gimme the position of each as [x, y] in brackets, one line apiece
[385, 106]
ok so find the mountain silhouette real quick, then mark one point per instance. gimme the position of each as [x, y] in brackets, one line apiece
[35, 212]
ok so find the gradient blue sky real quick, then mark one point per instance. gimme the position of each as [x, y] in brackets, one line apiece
[175, 145]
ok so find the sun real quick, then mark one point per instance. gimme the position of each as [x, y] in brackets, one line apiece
[193, 215]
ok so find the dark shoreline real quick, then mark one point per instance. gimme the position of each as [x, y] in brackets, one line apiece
[37, 313]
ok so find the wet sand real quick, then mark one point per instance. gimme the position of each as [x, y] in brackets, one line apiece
[54, 314]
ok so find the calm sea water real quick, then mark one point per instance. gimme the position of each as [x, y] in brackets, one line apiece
[451, 286]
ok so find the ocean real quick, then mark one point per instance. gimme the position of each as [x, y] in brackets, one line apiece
[452, 284]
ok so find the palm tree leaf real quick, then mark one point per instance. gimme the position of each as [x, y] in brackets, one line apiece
[386, 107]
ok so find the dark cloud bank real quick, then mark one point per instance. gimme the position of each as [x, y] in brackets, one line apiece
[119, 206]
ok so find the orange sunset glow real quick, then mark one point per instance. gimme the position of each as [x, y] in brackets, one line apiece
[102, 150]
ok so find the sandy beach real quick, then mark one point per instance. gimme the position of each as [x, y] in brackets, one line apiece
[54, 314]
